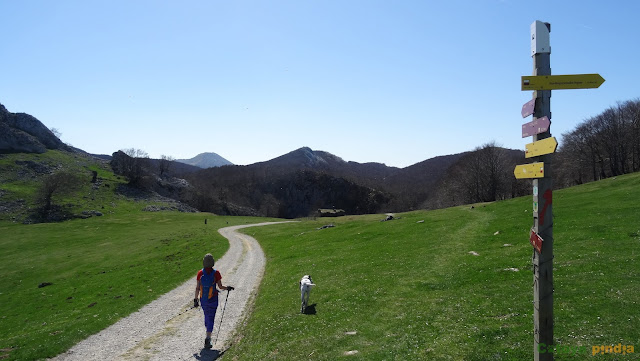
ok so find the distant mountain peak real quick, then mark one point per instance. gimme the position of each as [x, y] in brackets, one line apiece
[206, 160]
[313, 158]
[305, 157]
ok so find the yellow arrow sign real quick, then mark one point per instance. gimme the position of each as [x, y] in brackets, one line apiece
[541, 147]
[550, 82]
[533, 170]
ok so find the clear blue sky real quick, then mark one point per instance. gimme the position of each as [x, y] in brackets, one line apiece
[395, 82]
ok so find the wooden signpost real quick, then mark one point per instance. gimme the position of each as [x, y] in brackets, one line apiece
[541, 150]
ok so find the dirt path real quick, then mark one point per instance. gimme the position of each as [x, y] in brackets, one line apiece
[166, 329]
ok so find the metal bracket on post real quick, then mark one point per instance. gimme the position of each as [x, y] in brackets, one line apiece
[540, 38]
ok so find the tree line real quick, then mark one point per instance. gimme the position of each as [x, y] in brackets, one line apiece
[605, 145]
[482, 175]
[602, 146]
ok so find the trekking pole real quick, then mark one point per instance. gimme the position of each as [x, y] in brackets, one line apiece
[219, 327]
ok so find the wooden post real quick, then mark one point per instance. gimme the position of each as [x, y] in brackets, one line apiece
[541, 151]
[543, 213]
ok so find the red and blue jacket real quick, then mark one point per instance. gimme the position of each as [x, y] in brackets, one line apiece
[208, 278]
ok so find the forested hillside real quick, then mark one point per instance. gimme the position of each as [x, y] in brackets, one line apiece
[602, 146]
[299, 183]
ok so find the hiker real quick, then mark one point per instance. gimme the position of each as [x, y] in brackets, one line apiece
[206, 291]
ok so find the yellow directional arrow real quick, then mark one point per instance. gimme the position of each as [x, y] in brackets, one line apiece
[550, 82]
[541, 147]
[533, 170]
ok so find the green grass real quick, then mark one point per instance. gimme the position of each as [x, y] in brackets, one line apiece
[409, 290]
[19, 182]
[101, 270]
[412, 291]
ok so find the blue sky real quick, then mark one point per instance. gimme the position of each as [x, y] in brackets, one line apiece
[395, 82]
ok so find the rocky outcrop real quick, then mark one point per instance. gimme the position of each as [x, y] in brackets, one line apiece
[14, 140]
[23, 133]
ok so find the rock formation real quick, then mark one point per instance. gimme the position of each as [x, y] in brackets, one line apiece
[20, 132]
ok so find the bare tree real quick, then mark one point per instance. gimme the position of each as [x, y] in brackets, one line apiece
[629, 113]
[572, 162]
[607, 144]
[495, 171]
[56, 185]
[132, 163]
[165, 163]
[610, 140]
[56, 132]
[633, 112]
[486, 181]
[483, 175]
[587, 134]
[136, 153]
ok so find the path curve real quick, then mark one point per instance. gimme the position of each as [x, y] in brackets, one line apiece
[166, 329]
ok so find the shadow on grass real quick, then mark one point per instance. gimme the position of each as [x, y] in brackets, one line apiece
[310, 310]
[209, 354]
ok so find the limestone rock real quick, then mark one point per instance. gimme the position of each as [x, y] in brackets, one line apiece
[23, 133]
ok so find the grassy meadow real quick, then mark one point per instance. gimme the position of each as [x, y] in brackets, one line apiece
[411, 290]
[100, 269]
[451, 284]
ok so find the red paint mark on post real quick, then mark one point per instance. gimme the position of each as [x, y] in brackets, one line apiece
[548, 196]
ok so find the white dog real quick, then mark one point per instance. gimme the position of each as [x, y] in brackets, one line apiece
[306, 283]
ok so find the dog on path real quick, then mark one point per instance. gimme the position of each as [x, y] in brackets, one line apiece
[306, 283]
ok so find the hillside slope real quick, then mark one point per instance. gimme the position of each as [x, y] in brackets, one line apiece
[296, 184]
[451, 284]
[22, 176]
[300, 182]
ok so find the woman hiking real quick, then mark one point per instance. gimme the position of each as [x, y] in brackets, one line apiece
[207, 293]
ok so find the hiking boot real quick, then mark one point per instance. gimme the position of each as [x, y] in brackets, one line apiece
[207, 343]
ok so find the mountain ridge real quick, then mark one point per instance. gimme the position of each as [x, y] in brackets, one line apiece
[300, 182]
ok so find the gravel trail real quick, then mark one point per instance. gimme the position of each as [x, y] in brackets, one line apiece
[167, 329]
